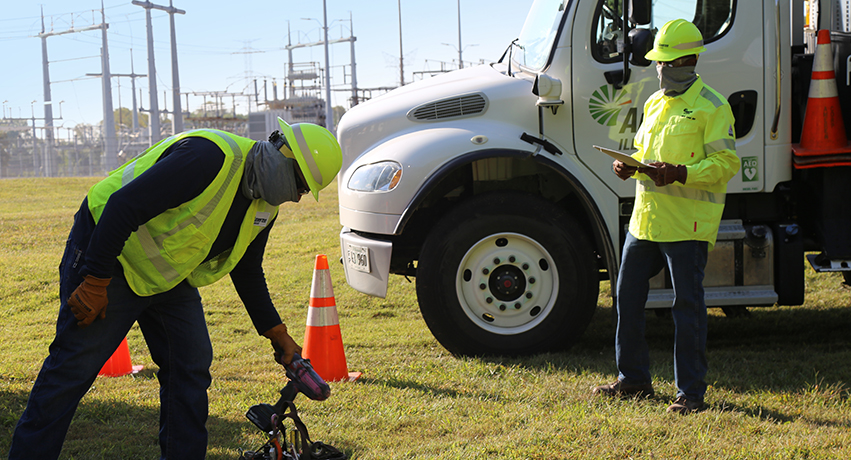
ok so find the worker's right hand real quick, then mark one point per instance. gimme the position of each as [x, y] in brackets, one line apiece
[284, 345]
[623, 170]
[89, 300]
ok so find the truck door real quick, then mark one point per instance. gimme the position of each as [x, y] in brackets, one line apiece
[608, 114]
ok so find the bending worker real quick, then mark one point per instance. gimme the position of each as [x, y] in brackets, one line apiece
[188, 211]
[687, 136]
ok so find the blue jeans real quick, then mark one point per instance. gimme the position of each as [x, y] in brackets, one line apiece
[686, 261]
[176, 334]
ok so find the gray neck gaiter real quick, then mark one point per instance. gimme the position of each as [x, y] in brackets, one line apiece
[675, 80]
[268, 175]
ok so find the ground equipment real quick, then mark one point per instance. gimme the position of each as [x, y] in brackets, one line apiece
[270, 419]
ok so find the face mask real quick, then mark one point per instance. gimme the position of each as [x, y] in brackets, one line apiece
[675, 80]
[269, 175]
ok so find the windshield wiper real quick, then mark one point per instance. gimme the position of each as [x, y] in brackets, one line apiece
[509, 51]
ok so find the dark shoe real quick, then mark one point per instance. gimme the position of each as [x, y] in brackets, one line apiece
[685, 406]
[622, 389]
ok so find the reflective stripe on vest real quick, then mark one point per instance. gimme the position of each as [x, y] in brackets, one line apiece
[682, 192]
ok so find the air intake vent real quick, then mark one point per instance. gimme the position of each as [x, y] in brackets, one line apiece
[455, 107]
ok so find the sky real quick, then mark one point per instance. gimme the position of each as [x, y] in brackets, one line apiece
[225, 46]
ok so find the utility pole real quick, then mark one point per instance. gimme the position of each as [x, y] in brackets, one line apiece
[460, 61]
[401, 54]
[108, 118]
[329, 111]
[48, 106]
[133, 77]
[354, 65]
[177, 125]
[110, 150]
[154, 110]
[177, 120]
[154, 122]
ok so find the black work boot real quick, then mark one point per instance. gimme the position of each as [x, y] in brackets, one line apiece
[622, 389]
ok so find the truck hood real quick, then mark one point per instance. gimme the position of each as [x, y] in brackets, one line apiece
[449, 97]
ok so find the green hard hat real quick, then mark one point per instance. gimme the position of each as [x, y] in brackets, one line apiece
[677, 38]
[317, 152]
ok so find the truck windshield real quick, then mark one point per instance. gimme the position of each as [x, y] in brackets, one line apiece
[539, 32]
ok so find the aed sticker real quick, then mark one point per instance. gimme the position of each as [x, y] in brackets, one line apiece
[261, 219]
[750, 169]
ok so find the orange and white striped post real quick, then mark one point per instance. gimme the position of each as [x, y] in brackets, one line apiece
[823, 133]
[323, 341]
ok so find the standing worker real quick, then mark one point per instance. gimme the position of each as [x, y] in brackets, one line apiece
[687, 136]
[188, 211]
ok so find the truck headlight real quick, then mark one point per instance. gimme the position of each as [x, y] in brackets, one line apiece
[376, 177]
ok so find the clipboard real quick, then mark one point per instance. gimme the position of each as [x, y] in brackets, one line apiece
[628, 160]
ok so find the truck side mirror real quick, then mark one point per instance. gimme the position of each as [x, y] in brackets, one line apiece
[548, 90]
[639, 11]
[642, 43]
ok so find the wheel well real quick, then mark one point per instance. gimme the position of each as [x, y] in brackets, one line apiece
[521, 173]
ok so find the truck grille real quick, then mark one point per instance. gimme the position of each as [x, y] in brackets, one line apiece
[454, 107]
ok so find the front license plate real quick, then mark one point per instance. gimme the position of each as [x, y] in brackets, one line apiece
[357, 258]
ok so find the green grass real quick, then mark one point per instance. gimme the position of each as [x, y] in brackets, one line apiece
[779, 378]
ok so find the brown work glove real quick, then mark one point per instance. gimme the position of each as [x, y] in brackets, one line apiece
[89, 300]
[666, 173]
[623, 170]
[284, 345]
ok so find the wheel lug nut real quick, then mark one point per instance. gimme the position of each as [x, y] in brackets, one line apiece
[483, 286]
[531, 280]
[525, 266]
[489, 300]
[485, 271]
[496, 260]
[517, 306]
[528, 295]
[502, 307]
[512, 259]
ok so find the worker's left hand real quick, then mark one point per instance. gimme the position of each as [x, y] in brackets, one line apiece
[666, 173]
[284, 345]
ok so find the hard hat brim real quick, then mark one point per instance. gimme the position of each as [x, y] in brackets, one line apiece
[670, 55]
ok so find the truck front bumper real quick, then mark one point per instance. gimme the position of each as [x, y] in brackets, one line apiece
[366, 262]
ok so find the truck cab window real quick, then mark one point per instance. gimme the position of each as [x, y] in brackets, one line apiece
[712, 17]
[534, 46]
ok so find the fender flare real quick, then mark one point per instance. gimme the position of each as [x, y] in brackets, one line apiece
[600, 232]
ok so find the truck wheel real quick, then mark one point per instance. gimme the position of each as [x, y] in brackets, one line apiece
[507, 273]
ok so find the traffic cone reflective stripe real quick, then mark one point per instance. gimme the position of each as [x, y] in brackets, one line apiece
[320, 315]
[119, 363]
[823, 134]
[323, 341]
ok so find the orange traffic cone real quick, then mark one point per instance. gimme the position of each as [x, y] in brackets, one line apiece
[823, 134]
[119, 363]
[323, 343]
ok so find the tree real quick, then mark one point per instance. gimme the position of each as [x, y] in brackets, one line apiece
[124, 119]
[339, 111]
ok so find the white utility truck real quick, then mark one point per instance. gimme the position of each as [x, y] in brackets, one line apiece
[483, 183]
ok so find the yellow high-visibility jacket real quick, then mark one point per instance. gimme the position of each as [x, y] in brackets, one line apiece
[173, 246]
[694, 129]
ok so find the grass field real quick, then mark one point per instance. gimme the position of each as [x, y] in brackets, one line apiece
[779, 379]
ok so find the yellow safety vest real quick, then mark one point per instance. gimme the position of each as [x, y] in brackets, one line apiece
[172, 246]
[694, 129]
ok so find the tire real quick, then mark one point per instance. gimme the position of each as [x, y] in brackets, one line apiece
[507, 273]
